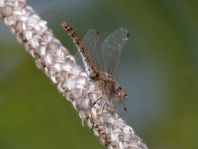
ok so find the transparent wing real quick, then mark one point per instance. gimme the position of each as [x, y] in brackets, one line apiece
[111, 49]
[91, 41]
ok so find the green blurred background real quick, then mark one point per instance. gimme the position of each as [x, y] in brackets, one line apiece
[158, 68]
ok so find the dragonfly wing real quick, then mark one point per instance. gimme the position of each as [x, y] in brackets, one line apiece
[91, 41]
[111, 49]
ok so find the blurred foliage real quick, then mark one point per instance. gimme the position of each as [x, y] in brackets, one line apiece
[158, 69]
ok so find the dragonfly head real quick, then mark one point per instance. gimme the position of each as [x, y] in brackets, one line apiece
[120, 94]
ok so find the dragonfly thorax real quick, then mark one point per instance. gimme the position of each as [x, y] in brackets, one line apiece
[110, 88]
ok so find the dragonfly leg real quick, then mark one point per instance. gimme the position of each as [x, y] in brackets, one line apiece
[95, 101]
[104, 104]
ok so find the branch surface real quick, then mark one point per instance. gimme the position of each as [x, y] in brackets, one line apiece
[56, 62]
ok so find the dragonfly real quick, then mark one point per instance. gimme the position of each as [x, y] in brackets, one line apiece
[102, 68]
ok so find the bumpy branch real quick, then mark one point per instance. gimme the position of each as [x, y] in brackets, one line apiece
[52, 58]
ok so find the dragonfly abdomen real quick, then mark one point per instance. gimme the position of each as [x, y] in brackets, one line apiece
[90, 66]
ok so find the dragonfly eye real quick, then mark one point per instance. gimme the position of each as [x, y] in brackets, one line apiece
[121, 94]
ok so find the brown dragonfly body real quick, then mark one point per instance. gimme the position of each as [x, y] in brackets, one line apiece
[104, 80]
